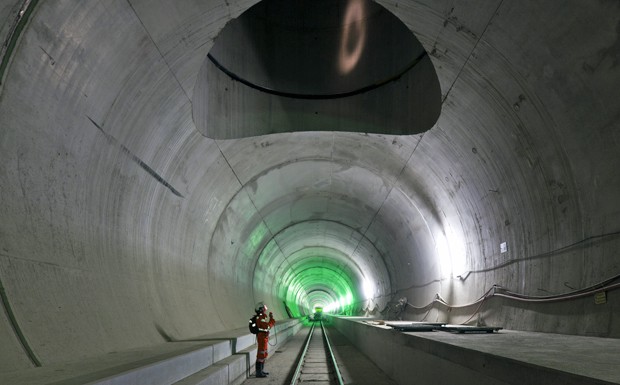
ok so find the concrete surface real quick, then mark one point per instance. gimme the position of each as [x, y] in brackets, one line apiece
[220, 358]
[504, 357]
[122, 226]
[354, 366]
[159, 364]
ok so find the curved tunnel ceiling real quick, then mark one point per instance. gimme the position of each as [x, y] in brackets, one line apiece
[324, 225]
[326, 65]
[122, 217]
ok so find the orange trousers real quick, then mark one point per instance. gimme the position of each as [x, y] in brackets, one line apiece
[262, 341]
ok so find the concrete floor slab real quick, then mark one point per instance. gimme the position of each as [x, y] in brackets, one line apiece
[585, 356]
[505, 357]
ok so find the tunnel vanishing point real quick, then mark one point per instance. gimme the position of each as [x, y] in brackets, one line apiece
[167, 164]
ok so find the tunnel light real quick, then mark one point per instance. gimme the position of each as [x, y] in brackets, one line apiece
[340, 304]
[353, 37]
[458, 253]
[451, 253]
[369, 289]
[331, 307]
[443, 253]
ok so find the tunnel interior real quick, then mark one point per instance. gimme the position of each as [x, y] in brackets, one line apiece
[286, 66]
[146, 194]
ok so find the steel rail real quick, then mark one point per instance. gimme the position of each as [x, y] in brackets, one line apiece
[331, 354]
[300, 364]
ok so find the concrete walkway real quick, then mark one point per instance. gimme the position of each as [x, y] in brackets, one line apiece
[501, 358]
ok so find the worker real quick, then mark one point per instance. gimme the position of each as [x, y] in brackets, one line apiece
[262, 337]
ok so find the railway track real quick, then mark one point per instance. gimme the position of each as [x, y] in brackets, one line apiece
[317, 365]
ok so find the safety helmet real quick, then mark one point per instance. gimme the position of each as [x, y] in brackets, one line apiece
[260, 307]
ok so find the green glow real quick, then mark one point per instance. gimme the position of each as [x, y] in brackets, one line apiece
[254, 240]
[318, 282]
[340, 306]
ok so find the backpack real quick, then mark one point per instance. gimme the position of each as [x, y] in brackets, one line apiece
[253, 325]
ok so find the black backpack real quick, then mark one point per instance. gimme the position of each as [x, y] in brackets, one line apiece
[253, 325]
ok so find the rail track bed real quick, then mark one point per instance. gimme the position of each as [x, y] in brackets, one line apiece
[317, 364]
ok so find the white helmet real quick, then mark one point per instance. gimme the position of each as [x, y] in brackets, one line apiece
[260, 307]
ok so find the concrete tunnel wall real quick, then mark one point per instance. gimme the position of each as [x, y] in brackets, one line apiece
[118, 218]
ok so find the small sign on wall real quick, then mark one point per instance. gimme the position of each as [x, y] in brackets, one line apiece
[503, 247]
[600, 298]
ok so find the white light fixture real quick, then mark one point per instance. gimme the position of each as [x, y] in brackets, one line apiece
[369, 289]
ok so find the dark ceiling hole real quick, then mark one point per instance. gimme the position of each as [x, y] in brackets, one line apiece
[282, 61]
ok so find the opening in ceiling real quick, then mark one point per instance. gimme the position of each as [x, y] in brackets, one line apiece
[322, 65]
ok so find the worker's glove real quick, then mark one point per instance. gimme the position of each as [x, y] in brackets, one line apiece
[270, 315]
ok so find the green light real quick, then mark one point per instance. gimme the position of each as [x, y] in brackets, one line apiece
[317, 282]
[256, 237]
[341, 306]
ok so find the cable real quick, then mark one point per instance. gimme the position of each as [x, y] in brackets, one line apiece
[501, 292]
[556, 298]
[427, 313]
[275, 336]
[546, 299]
[478, 309]
[538, 256]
